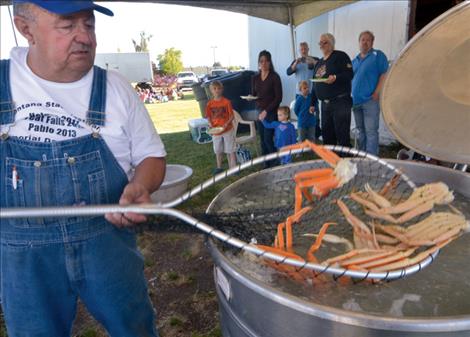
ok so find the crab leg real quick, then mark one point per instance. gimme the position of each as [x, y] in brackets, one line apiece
[387, 260]
[322, 188]
[423, 208]
[380, 215]
[391, 184]
[377, 198]
[352, 219]
[362, 259]
[368, 204]
[293, 219]
[298, 199]
[289, 270]
[411, 261]
[435, 220]
[279, 240]
[350, 254]
[393, 232]
[298, 177]
[331, 238]
[318, 241]
[329, 156]
[442, 235]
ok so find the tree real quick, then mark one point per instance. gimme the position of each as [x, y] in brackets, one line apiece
[170, 61]
[217, 65]
[144, 41]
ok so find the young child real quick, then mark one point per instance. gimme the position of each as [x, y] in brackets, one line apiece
[304, 110]
[284, 133]
[219, 114]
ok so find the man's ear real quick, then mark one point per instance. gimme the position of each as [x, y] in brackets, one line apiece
[24, 27]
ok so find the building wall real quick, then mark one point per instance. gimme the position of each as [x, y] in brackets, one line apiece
[387, 19]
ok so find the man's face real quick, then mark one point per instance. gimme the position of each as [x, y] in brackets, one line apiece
[66, 44]
[365, 43]
[304, 90]
[325, 45]
[303, 50]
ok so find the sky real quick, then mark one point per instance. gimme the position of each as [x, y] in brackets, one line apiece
[199, 33]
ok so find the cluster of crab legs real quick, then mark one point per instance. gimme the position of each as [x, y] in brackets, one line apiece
[377, 246]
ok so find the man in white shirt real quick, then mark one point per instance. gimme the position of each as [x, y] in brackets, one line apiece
[72, 134]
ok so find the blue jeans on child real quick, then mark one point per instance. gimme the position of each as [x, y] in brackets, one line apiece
[367, 117]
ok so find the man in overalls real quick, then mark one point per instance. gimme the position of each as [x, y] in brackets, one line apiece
[71, 134]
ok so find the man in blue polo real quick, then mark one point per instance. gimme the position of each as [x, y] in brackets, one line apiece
[370, 67]
[72, 134]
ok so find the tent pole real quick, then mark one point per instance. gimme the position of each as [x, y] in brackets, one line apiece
[292, 33]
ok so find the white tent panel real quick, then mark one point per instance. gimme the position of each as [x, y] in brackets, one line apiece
[386, 19]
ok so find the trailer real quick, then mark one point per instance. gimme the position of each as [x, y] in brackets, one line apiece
[136, 67]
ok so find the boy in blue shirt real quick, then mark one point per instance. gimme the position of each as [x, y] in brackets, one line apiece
[305, 112]
[284, 131]
[370, 67]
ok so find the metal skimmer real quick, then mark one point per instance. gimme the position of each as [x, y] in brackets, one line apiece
[259, 208]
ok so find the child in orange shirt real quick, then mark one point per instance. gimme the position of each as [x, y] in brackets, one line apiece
[219, 113]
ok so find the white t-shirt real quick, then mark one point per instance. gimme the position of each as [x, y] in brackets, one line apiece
[49, 111]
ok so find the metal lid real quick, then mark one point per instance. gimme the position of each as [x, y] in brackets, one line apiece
[426, 95]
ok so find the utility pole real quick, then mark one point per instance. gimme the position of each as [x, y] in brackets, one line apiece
[213, 53]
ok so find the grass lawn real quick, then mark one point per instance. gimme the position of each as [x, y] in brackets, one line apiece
[171, 121]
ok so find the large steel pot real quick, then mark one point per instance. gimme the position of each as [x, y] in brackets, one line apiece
[425, 102]
[249, 306]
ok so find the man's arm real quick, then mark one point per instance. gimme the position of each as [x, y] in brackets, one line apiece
[148, 177]
[378, 88]
[383, 65]
[344, 64]
[291, 68]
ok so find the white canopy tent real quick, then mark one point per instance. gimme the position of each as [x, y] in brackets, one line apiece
[292, 12]
[288, 12]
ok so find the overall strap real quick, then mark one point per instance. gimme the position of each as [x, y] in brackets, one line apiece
[96, 114]
[7, 106]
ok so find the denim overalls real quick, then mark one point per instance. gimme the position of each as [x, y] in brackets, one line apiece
[47, 263]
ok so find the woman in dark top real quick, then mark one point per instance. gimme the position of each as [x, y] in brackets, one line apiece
[334, 93]
[266, 85]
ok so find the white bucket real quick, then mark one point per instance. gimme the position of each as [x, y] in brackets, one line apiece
[174, 185]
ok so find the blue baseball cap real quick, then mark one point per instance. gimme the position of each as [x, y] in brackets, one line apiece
[66, 7]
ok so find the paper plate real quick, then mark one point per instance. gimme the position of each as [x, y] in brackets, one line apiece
[319, 79]
[249, 97]
[216, 130]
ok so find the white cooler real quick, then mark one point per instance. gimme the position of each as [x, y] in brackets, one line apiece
[198, 128]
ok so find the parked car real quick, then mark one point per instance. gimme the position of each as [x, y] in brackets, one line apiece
[185, 79]
[218, 72]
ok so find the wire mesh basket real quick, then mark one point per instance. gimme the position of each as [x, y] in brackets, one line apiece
[255, 205]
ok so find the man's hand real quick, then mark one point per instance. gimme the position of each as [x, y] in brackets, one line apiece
[294, 65]
[375, 96]
[262, 115]
[147, 178]
[312, 109]
[311, 60]
[133, 193]
[331, 79]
